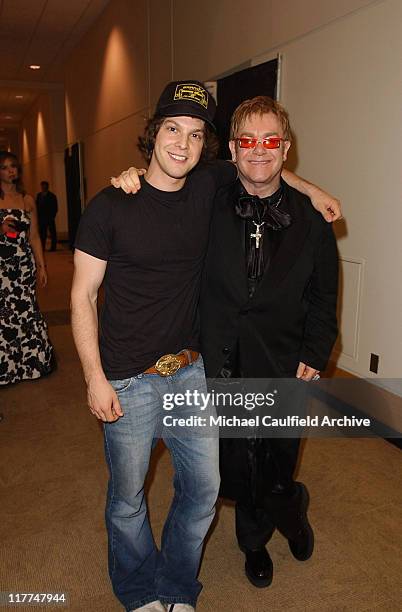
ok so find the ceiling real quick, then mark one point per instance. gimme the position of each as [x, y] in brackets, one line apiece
[40, 32]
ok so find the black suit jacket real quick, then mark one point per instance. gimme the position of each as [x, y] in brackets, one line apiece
[46, 204]
[292, 314]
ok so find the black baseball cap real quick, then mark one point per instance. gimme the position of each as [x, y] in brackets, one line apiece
[187, 98]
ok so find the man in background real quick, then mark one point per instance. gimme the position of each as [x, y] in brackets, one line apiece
[46, 204]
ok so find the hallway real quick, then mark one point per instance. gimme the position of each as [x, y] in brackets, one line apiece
[53, 482]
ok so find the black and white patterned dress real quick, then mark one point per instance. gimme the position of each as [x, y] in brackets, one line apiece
[25, 350]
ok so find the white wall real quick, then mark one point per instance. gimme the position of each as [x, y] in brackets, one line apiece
[112, 78]
[43, 137]
[343, 88]
[212, 36]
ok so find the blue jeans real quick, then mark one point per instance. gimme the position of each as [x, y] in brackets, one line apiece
[139, 572]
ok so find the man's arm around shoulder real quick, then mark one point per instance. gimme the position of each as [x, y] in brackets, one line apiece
[88, 275]
[326, 204]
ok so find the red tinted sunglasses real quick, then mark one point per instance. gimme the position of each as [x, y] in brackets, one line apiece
[272, 142]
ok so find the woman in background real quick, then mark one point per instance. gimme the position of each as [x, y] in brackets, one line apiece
[25, 350]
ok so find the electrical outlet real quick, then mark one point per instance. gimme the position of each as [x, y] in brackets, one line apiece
[374, 359]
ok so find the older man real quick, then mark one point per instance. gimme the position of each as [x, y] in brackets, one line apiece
[268, 310]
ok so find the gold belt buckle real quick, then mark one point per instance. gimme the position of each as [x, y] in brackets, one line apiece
[167, 365]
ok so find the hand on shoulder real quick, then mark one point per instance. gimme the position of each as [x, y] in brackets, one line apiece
[129, 180]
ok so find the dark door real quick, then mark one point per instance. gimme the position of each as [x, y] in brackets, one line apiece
[72, 165]
[232, 90]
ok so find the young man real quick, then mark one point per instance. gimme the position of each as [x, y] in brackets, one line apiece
[150, 254]
[267, 310]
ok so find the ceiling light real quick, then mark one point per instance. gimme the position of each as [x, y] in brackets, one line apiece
[19, 97]
[7, 117]
[34, 67]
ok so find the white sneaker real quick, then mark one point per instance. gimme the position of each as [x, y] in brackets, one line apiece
[178, 607]
[152, 606]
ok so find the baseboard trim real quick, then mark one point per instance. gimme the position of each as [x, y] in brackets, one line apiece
[333, 371]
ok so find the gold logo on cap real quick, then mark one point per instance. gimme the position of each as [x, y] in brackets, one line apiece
[193, 92]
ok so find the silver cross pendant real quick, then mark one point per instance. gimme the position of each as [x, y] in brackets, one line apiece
[258, 235]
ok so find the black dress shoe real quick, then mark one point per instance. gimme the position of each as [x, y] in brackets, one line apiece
[258, 567]
[302, 545]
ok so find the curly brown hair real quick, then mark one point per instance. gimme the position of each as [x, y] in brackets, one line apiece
[146, 143]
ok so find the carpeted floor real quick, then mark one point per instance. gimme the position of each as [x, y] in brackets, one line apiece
[52, 489]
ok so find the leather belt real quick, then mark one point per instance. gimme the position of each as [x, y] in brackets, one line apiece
[167, 365]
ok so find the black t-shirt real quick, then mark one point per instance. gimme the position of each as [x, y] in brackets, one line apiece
[154, 243]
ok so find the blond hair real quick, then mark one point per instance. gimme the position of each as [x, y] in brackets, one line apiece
[260, 105]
